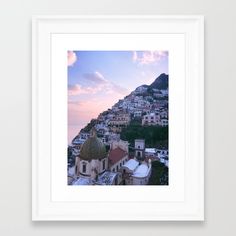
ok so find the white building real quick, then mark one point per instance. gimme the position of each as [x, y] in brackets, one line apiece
[136, 173]
[163, 122]
[138, 113]
[150, 119]
[151, 152]
[141, 89]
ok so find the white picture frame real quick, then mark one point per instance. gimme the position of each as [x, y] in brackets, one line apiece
[183, 199]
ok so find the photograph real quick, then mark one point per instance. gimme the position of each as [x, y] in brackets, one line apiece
[106, 90]
[117, 118]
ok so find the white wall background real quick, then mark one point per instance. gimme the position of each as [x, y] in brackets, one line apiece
[15, 117]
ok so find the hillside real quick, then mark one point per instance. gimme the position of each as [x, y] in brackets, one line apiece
[161, 82]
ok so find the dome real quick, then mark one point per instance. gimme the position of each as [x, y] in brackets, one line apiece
[93, 148]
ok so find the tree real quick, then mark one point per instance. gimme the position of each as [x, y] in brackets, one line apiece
[154, 135]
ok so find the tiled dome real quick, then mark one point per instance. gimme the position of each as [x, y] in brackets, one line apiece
[93, 148]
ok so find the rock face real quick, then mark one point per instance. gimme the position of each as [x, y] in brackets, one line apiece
[161, 82]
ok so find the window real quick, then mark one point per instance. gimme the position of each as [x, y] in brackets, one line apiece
[103, 164]
[116, 168]
[84, 168]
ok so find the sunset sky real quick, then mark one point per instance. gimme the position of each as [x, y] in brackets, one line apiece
[98, 79]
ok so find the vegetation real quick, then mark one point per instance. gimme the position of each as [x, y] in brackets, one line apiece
[159, 175]
[155, 136]
[90, 125]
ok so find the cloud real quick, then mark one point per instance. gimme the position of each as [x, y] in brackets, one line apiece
[74, 90]
[96, 78]
[71, 58]
[96, 83]
[148, 57]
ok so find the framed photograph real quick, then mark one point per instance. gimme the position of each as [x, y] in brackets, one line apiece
[118, 118]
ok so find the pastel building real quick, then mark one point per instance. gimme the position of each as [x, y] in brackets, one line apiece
[119, 121]
[150, 119]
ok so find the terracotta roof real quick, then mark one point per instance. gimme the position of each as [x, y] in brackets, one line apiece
[115, 155]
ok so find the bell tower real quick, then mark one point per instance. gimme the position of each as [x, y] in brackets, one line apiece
[139, 147]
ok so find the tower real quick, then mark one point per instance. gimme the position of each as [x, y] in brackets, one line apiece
[139, 147]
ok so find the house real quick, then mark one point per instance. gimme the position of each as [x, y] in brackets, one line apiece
[138, 113]
[163, 122]
[120, 120]
[151, 152]
[150, 119]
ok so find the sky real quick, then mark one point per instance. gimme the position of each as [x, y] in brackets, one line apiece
[98, 79]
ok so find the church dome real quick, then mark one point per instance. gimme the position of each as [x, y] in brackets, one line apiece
[93, 148]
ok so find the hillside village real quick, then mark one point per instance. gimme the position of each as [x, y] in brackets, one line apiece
[126, 144]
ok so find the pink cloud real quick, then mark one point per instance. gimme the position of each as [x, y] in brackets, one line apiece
[74, 90]
[97, 83]
[71, 58]
[149, 57]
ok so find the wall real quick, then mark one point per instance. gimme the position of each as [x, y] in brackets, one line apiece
[15, 118]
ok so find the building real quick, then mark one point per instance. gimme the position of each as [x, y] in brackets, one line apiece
[91, 166]
[136, 173]
[80, 138]
[119, 121]
[138, 113]
[151, 152]
[139, 149]
[150, 119]
[163, 122]
[141, 89]
[117, 157]
[163, 156]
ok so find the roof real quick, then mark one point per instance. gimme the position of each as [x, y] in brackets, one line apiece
[115, 155]
[141, 171]
[131, 164]
[150, 150]
[93, 148]
[82, 181]
[107, 178]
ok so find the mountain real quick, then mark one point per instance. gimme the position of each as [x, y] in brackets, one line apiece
[161, 82]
